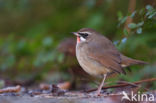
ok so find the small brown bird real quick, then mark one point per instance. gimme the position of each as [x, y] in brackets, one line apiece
[98, 56]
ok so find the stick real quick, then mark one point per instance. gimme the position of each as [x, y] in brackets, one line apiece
[123, 85]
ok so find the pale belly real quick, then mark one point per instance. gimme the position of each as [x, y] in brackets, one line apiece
[89, 65]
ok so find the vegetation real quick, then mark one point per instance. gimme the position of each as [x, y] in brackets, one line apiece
[31, 30]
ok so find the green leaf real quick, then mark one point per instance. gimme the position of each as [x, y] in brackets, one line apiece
[149, 7]
[132, 25]
[122, 21]
[47, 41]
[140, 24]
[139, 30]
[150, 16]
[124, 40]
[120, 16]
[142, 11]
[133, 14]
[125, 32]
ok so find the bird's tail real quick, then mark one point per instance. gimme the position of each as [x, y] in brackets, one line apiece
[126, 61]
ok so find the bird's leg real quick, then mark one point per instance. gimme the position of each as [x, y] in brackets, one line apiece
[101, 85]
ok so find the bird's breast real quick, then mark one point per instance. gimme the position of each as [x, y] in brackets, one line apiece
[89, 65]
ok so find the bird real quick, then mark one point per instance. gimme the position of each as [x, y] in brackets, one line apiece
[99, 57]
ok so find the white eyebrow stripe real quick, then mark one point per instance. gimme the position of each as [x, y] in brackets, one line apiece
[85, 32]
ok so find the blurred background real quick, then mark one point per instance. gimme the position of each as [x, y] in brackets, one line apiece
[36, 44]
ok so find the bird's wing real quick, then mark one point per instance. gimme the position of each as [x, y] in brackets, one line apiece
[106, 54]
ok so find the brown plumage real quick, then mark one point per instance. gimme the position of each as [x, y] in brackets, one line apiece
[98, 56]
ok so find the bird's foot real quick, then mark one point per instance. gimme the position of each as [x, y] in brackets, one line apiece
[95, 94]
[98, 92]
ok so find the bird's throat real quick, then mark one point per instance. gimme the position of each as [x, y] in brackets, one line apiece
[78, 39]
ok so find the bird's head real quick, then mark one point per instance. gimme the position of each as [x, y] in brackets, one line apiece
[85, 35]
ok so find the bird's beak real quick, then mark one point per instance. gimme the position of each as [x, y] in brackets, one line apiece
[75, 33]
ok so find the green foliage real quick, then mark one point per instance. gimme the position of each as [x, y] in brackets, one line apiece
[151, 12]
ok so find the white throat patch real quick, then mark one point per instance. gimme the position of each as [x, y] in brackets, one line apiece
[82, 39]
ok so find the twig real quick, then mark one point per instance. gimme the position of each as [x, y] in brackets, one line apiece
[125, 82]
[132, 84]
[123, 85]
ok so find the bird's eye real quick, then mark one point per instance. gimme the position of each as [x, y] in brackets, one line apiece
[84, 35]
